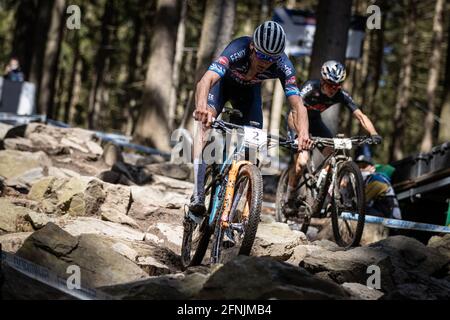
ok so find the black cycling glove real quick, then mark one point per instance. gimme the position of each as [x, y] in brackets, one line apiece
[376, 139]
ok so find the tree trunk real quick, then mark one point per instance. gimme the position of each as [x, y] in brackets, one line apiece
[444, 127]
[404, 90]
[24, 31]
[73, 81]
[177, 65]
[51, 57]
[330, 43]
[100, 64]
[39, 41]
[152, 126]
[433, 76]
[217, 28]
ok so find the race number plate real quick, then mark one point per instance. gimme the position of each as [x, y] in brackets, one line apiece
[255, 137]
[342, 144]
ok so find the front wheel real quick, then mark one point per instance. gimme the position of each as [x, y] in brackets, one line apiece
[243, 219]
[196, 235]
[348, 214]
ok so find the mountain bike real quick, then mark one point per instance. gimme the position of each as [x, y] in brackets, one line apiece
[233, 193]
[331, 188]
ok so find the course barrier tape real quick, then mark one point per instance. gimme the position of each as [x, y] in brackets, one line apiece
[50, 279]
[399, 224]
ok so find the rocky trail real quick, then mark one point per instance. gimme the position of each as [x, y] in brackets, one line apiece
[67, 199]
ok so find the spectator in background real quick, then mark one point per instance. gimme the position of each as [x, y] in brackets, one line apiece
[380, 195]
[13, 72]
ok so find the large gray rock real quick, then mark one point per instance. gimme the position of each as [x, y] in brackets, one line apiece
[171, 170]
[15, 163]
[362, 292]
[254, 278]
[88, 225]
[100, 265]
[421, 287]
[397, 257]
[26, 179]
[372, 232]
[169, 287]
[442, 244]
[12, 242]
[116, 205]
[4, 128]
[12, 217]
[277, 240]
[75, 196]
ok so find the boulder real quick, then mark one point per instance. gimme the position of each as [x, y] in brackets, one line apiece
[167, 234]
[38, 220]
[151, 198]
[76, 196]
[116, 205]
[19, 144]
[421, 287]
[12, 242]
[171, 170]
[172, 184]
[255, 278]
[277, 240]
[168, 287]
[372, 232]
[4, 128]
[397, 257]
[26, 179]
[12, 217]
[62, 173]
[100, 265]
[112, 154]
[362, 292]
[442, 244]
[15, 163]
[88, 225]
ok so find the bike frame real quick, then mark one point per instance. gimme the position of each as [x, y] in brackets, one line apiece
[224, 203]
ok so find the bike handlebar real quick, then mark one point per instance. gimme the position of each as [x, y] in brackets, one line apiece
[292, 144]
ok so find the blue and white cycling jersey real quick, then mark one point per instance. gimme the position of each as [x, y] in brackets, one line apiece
[234, 64]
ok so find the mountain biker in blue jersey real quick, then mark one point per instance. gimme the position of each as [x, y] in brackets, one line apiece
[318, 95]
[236, 76]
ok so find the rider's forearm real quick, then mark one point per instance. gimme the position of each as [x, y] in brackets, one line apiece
[366, 123]
[203, 87]
[201, 93]
[300, 116]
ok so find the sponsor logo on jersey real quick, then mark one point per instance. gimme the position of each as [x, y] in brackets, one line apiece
[217, 68]
[287, 70]
[223, 61]
[305, 90]
[291, 80]
[237, 55]
[317, 107]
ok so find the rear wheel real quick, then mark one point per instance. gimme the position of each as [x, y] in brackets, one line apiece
[196, 235]
[280, 196]
[243, 220]
[348, 215]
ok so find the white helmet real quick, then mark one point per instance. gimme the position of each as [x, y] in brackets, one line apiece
[269, 38]
[334, 72]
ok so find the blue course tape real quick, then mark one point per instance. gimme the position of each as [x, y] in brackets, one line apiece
[399, 224]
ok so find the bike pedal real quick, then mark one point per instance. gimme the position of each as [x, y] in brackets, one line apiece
[228, 240]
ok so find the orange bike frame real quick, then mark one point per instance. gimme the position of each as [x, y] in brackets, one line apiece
[229, 192]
